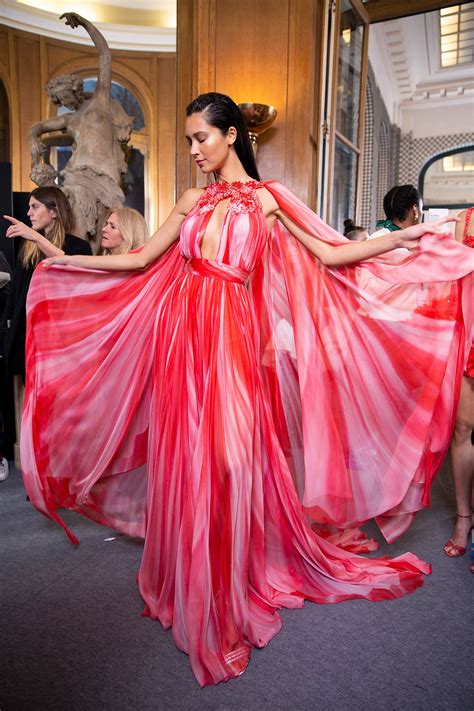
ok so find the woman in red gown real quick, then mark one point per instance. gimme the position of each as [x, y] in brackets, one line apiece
[215, 377]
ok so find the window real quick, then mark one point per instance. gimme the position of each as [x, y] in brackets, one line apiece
[348, 136]
[457, 34]
[125, 98]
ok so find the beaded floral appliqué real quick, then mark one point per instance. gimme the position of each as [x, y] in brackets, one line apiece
[243, 196]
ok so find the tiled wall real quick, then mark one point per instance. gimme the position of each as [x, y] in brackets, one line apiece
[381, 156]
[416, 152]
[391, 158]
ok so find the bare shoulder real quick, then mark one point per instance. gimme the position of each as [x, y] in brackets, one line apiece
[269, 204]
[188, 200]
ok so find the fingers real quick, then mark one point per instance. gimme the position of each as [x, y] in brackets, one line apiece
[16, 229]
[438, 231]
[51, 261]
[442, 221]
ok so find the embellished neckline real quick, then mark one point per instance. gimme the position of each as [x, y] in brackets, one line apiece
[233, 183]
[243, 195]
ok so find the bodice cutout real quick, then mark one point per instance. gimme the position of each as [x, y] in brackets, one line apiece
[235, 233]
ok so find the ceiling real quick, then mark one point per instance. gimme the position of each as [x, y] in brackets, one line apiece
[126, 24]
[405, 57]
[404, 52]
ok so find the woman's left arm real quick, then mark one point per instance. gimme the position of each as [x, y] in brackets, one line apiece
[342, 254]
[19, 229]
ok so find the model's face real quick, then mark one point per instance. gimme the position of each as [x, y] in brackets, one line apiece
[41, 217]
[207, 144]
[112, 239]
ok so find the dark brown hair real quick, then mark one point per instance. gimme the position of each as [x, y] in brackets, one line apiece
[54, 199]
[220, 111]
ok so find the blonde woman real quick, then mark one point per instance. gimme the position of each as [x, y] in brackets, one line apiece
[49, 236]
[124, 229]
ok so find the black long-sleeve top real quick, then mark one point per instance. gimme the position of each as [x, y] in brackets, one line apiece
[13, 326]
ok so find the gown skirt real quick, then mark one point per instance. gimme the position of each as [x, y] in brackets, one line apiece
[190, 391]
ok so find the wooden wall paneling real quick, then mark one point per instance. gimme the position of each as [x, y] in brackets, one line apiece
[167, 136]
[153, 195]
[185, 72]
[300, 151]
[44, 76]
[15, 146]
[196, 59]
[5, 78]
[252, 65]
[61, 56]
[264, 52]
[140, 66]
[4, 50]
[28, 62]
[205, 54]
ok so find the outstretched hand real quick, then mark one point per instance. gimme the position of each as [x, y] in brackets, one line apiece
[64, 259]
[19, 229]
[410, 235]
[73, 19]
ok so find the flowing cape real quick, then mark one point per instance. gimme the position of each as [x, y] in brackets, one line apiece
[362, 366]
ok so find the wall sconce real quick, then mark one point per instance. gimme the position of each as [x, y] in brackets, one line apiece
[258, 118]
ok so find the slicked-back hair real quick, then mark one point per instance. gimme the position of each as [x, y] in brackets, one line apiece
[221, 112]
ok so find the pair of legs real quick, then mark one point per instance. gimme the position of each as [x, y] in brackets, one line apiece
[462, 461]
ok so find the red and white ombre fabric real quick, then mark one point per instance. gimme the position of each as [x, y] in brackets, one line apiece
[189, 403]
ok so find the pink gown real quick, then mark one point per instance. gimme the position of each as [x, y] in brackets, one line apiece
[193, 403]
[468, 240]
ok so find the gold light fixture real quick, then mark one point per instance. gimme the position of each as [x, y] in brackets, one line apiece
[258, 117]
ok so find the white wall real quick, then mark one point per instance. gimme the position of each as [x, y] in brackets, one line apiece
[437, 118]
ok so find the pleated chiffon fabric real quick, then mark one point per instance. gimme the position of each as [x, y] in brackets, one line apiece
[209, 406]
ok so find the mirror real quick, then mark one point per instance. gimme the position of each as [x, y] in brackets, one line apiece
[447, 180]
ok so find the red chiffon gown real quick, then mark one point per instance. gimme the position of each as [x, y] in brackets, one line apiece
[210, 406]
[468, 240]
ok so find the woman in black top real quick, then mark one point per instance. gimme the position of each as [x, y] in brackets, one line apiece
[51, 221]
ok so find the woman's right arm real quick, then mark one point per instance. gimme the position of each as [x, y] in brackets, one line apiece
[460, 226]
[153, 249]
